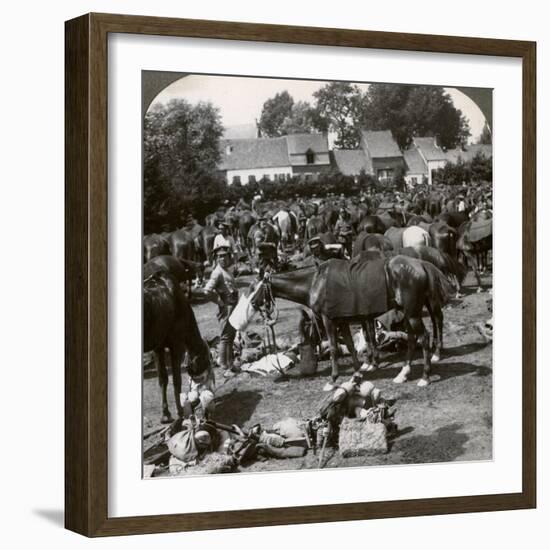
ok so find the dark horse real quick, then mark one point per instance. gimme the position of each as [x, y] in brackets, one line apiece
[169, 322]
[411, 282]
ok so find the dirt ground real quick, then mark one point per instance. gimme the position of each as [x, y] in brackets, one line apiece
[449, 420]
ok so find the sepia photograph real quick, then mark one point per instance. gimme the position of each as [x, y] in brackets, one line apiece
[317, 274]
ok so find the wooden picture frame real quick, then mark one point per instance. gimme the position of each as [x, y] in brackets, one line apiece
[86, 283]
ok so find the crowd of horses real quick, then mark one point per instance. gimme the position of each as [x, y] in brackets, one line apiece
[424, 242]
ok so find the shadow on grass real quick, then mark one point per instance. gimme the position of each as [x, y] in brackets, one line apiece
[439, 372]
[237, 406]
[443, 445]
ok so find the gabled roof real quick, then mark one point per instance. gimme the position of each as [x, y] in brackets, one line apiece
[299, 144]
[429, 148]
[350, 162]
[469, 152]
[380, 144]
[415, 162]
[253, 153]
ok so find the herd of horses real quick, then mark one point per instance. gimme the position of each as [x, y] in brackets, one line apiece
[422, 248]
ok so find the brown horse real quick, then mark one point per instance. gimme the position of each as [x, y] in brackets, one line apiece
[169, 322]
[154, 245]
[410, 284]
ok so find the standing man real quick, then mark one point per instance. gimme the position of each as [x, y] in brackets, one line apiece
[225, 239]
[222, 289]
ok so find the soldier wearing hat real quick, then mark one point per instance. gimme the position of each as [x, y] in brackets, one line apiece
[221, 288]
[224, 239]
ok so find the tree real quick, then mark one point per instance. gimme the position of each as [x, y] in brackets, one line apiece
[181, 152]
[300, 121]
[338, 108]
[414, 111]
[274, 112]
[485, 138]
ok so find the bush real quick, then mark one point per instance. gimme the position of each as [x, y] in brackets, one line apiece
[179, 200]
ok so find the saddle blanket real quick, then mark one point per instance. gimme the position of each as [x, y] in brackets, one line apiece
[480, 230]
[355, 288]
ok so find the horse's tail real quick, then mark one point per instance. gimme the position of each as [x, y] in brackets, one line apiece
[440, 289]
[454, 267]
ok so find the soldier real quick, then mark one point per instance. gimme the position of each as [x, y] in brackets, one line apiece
[222, 289]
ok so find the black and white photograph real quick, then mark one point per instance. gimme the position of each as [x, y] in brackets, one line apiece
[317, 274]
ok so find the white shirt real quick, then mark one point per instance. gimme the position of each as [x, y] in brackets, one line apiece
[228, 241]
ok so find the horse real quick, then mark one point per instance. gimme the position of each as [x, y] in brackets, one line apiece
[474, 247]
[411, 282]
[372, 224]
[443, 237]
[183, 246]
[204, 243]
[371, 241]
[169, 322]
[154, 245]
[407, 236]
[288, 226]
[314, 226]
[447, 264]
[246, 221]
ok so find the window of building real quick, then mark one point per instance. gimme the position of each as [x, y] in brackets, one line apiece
[236, 179]
[310, 157]
[266, 177]
[252, 179]
[385, 174]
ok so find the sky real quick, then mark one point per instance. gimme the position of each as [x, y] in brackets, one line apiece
[240, 103]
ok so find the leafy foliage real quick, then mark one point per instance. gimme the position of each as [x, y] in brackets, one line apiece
[300, 121]
[274, 113]
[414, 111]
[180, 151]
[338, 108]
[479, 169]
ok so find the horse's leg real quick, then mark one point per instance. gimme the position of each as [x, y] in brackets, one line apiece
[330, 329]
[472, 261]
[419, 329]
[372, 351]
[162, 374]
[436, 315]
[348, 340]
[176, 354]
[406, 369]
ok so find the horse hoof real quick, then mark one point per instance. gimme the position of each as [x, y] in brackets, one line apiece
[399, 379]
[479, 290]
[166, 419]
[422, 383]
[329, 386]
[367, 367]
[435, 358]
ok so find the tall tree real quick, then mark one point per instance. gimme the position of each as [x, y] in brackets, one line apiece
[415, 111]
[338, 108]
[181, 152]
[300, 121]
[274, 112]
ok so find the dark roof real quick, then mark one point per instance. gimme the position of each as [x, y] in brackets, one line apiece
[469, 152]
[253, 153]
[381, 144]
[240, 131]
[299, 144]
[350, 162]
[415, 162]
[429, 148]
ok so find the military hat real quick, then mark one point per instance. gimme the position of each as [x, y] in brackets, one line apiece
[314, 241]
[221, 250]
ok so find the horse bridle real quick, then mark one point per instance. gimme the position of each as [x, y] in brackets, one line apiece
[268, 310]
